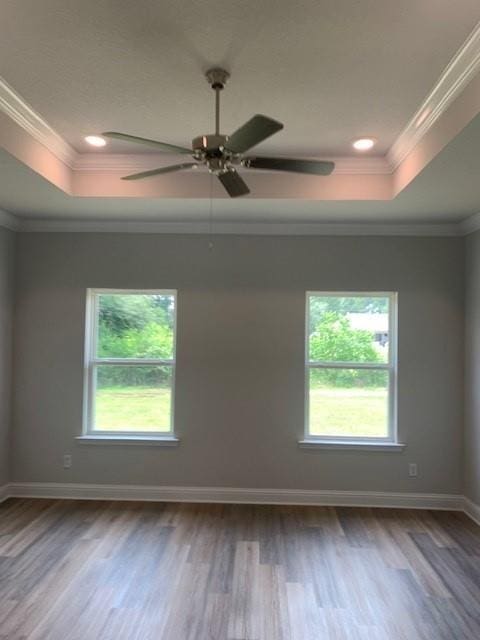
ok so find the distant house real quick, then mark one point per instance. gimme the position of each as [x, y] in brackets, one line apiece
[376, 323]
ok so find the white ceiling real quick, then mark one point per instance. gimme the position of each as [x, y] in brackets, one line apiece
[331, 70]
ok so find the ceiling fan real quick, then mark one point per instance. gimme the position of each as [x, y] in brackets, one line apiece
[221, 153]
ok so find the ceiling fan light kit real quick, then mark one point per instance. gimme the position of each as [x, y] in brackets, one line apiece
[221, 154]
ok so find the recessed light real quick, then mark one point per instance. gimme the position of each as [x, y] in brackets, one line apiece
[96, 141]
[363, 144]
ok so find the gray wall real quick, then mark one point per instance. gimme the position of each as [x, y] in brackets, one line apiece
[7, 240]
[472, 368]
[239, 394]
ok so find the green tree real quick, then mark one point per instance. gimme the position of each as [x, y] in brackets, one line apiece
[151, 341]
[334, 340]
[135, 326]
[119, 312]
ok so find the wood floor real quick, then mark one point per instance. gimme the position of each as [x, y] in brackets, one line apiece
[87, 570]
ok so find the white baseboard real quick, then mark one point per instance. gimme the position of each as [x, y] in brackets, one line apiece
[472, 510]
[4, 492]
[235, 495]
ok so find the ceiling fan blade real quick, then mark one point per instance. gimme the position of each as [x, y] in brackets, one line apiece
[252, 132]
[164, 146]
[233, 183]
[314, 167]
[160, 171]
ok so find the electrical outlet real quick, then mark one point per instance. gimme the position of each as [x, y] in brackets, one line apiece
[412, 470]
[67, 461]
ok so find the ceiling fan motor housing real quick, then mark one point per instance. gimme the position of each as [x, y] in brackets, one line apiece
[211, 150]
[210, 145]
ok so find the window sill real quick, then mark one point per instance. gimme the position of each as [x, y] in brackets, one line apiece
[351, 445]
[155, 441]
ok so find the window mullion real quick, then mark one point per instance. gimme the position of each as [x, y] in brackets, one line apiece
[348, 365]
[133, 361]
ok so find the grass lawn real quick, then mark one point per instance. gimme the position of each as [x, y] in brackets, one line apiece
[333, 411]
[137, 408]
[348, 412]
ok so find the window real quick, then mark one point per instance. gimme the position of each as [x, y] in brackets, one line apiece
[351, 367]
[130, 363]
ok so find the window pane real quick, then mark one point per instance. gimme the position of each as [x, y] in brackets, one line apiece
[133, 398]
[349, 403]
[348, 329]
[135, 325]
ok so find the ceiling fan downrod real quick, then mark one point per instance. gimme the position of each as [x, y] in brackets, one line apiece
[217, 79]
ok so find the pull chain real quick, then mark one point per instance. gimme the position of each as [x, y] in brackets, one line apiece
[210, 216]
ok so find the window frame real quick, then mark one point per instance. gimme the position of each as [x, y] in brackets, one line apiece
[91, 362]
[391, 367]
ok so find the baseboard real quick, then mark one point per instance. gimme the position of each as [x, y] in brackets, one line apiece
[471, 509]
[4, 492]
[235, 495]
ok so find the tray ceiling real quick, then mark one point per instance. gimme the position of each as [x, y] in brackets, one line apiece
[330, 70]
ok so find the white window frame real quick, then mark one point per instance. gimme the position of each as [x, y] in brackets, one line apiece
[391, 367]
[92, 362]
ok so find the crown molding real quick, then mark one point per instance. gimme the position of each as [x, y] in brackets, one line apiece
[238, 228]
[143, 162]
[357, 166]
[26, 117]
[9, 221]
[102, 161]
[459, 72]
[434, 229]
